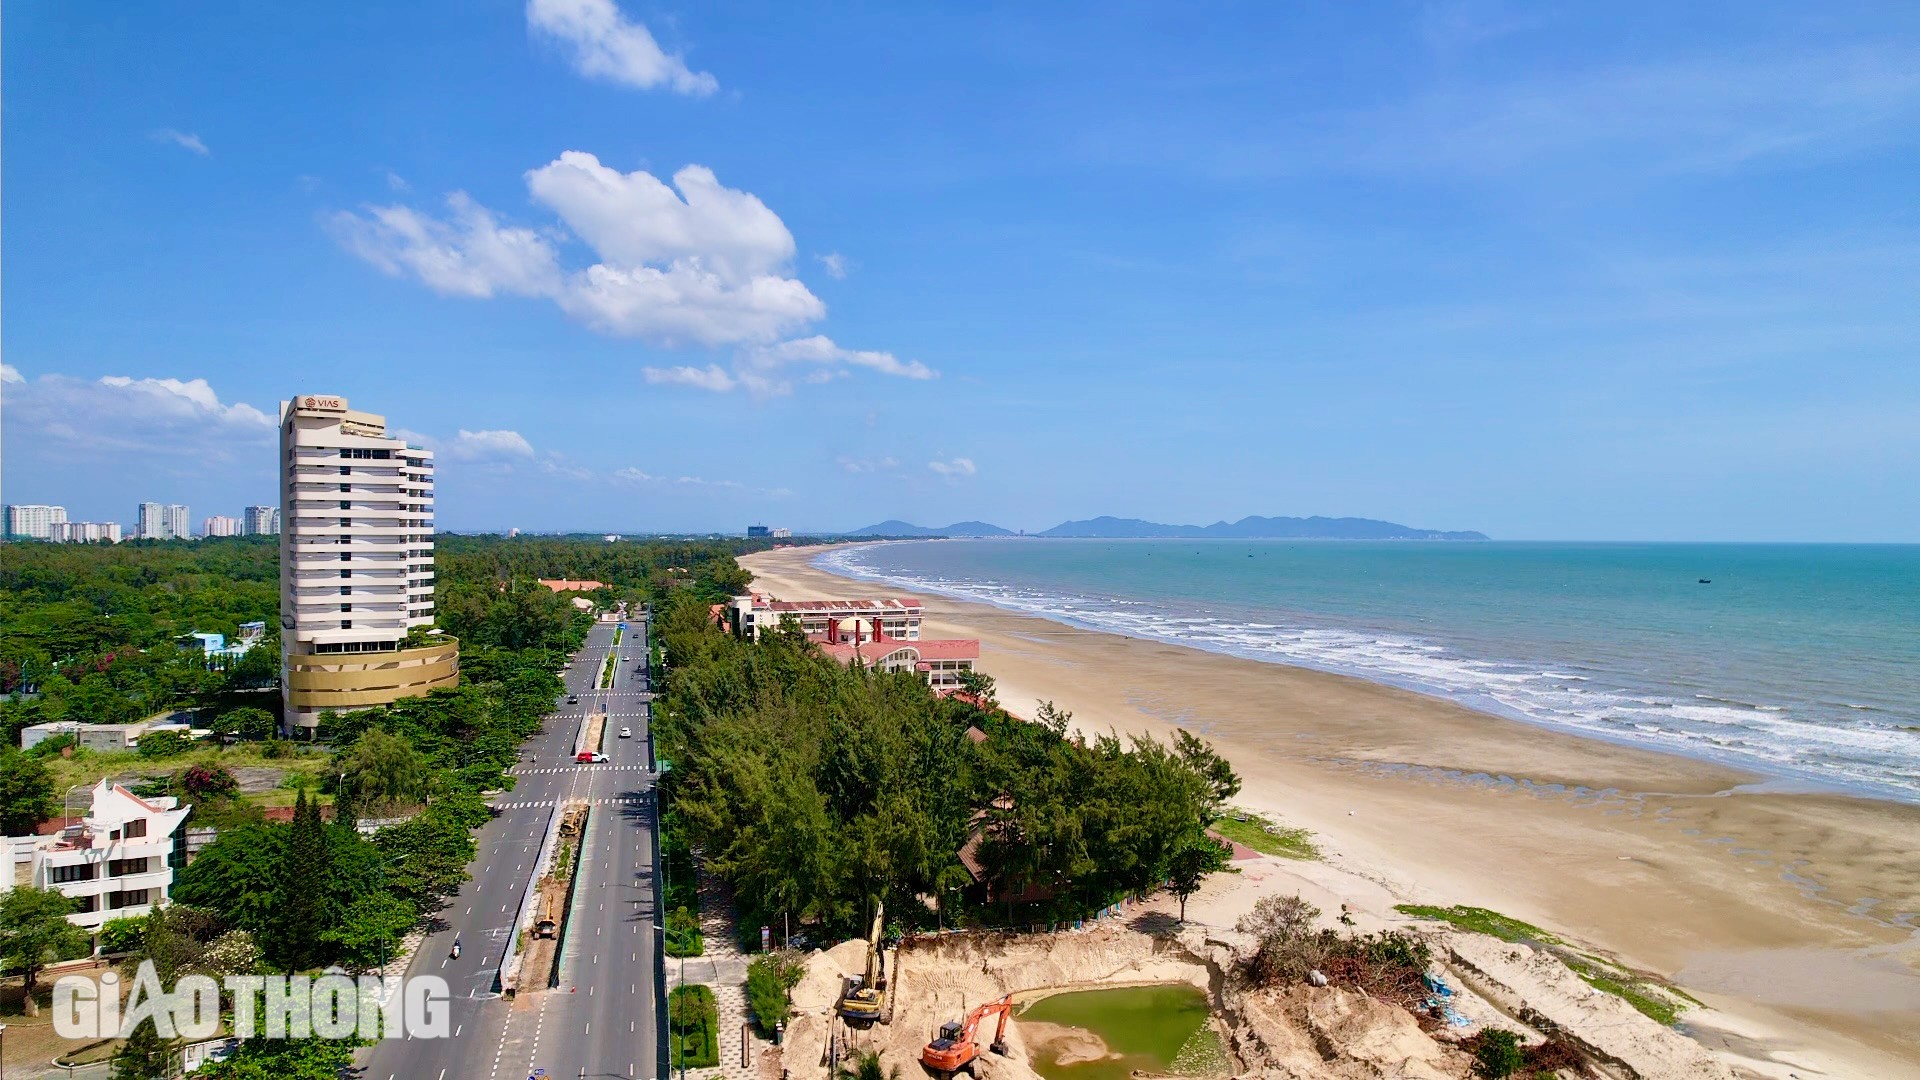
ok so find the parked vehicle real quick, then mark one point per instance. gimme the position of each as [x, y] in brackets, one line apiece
[588, 757]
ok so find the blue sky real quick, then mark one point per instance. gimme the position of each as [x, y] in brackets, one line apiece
[1547, 271]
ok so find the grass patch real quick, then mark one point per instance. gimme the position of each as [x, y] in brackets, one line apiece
[1649, 999]
[1482, 921]
[301, 767]
[693, 1029]
[1654, 1000]
[1265, 836]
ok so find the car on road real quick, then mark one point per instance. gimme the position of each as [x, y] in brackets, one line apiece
[626, 733]
[573, 699]
[587, 757]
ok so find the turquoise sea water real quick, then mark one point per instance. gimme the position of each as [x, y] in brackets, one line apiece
[1799, 661]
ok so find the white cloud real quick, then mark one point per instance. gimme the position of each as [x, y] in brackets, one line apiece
[957, 467]
[397, 182]
[635, 477]
[186, 140]
[497, 445]
[10, 374]
[632, 475]
[606, 45]
[117, 413]
[867, 465]
[694, 263]
[706, 378]
[834, 263]
[469, 255]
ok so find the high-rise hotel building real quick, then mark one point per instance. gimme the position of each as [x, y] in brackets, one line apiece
[356, 564]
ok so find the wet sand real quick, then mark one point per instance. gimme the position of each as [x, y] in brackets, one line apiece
[1794, 915]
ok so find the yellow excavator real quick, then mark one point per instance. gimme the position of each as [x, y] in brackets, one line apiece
[863, 998]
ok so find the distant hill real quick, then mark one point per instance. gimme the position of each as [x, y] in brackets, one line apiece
[1247, 528]
[896, 527]
[1261, 528]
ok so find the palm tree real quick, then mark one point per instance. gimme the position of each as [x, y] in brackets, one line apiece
[866, 1066]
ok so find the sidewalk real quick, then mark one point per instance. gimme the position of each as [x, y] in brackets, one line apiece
[724, 967]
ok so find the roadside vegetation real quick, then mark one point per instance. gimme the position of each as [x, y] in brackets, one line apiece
[693, 1027]
[88, 633]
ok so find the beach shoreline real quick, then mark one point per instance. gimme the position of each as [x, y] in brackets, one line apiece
[1694, 871]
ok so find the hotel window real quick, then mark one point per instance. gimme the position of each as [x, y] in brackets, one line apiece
[346, 590]
[123, 867]
[345, 608]
[346, 624]
[344, 504]
[136, 828]
[343, 558]
[130, 898]
[345, 470]
[62, 875]
[346, 573]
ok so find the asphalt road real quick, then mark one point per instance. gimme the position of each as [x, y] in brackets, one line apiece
[601, 1021]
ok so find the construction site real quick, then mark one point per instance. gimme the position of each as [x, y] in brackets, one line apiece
[1137, 994]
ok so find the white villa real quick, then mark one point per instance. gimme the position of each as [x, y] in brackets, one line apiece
[116, 862]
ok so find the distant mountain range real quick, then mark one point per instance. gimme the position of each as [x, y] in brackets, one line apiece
[1247, 528]
[958, 528]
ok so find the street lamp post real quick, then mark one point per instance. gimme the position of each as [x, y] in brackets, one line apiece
[3, 1052]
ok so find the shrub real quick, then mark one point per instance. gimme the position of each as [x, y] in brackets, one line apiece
[1289, 944]
[122, 935]
[163, 744]
[693, 1035]
[769, 977]
[1496, 1053]
[209, 781]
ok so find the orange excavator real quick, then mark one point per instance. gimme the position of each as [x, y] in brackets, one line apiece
[955, 1049]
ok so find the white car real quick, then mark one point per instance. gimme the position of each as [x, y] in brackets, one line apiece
[626, 733]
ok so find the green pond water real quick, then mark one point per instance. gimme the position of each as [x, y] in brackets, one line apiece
[1155, 1029]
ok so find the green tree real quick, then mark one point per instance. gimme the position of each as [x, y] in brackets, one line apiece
[1200, 756]
[164, 744]
[144, 1056]
[34, 931]
[381, 771]
[26, 794]
[771, 976]
[239, 876]
[247, 723]
[283, 1059]
[1194, 857]
[370, 930]
[305, 873]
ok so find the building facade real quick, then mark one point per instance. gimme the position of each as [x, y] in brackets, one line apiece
[32, 522]
[260, 521]
[114, 863]
[149, 521]
[220, 525]
[179, 522]
[87, 532]
[881, 633]
[356, 564]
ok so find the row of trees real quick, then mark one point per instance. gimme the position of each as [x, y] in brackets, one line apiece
[92, 628]
[816, 789]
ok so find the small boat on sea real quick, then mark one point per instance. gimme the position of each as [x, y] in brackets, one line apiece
[1706, 581]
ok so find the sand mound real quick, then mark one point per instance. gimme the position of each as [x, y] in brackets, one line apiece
[1540, 990]
[1304, 1032]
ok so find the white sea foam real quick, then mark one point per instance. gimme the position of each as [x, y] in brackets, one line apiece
[1758, 735]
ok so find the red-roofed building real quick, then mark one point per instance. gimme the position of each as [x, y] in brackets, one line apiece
[882, 633]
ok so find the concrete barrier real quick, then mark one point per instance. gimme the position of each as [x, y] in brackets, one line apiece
[529, 900]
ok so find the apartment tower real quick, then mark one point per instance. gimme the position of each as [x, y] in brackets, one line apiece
[356, 564]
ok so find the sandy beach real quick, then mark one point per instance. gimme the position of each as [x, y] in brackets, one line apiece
[1794, 916]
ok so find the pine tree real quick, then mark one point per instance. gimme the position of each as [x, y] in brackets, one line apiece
[303, 882]
[144, 1056]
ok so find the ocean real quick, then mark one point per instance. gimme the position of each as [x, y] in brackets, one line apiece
[1798, 661]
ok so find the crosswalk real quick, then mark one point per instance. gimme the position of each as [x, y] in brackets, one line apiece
[543, 804]
[602, 767]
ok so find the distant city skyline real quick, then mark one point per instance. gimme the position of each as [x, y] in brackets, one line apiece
[1570, 273]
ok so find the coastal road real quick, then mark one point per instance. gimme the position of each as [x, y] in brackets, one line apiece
[600, 1020]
